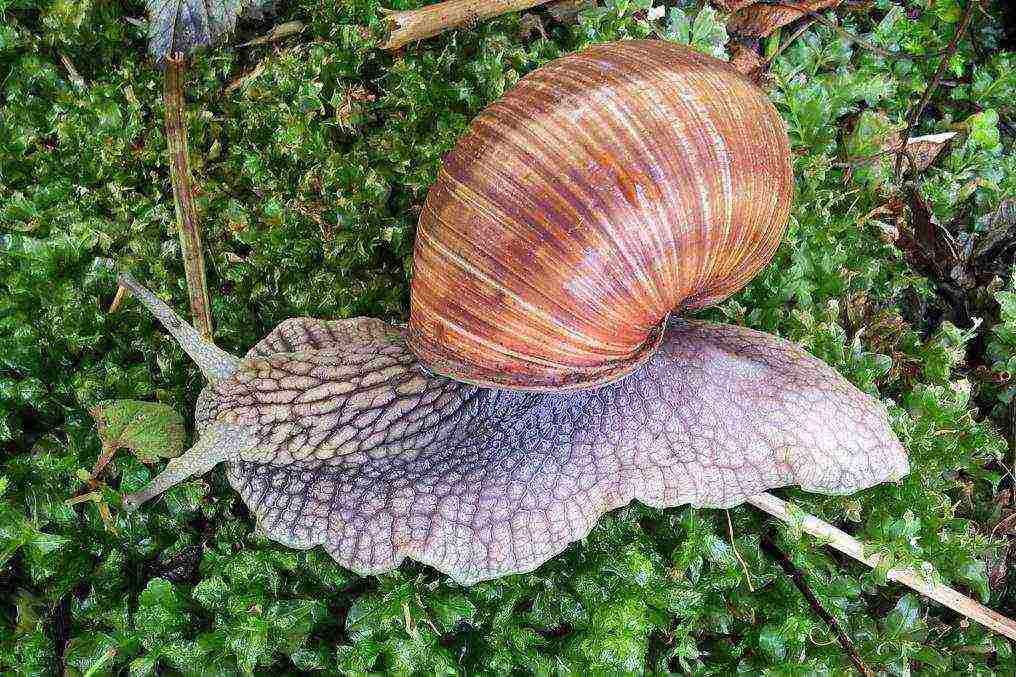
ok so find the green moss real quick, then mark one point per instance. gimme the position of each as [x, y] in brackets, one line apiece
[313, 157]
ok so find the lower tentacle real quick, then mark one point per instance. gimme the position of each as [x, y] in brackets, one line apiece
[218, 443]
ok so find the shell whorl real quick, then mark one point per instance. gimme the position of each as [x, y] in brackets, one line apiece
[607, 190]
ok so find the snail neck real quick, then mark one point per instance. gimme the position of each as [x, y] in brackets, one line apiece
[348, 403]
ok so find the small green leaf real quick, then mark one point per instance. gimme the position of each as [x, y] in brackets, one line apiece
[984, 129]
[143, 666]
[948, 10]
[449, 611]
[973, 573]
[210, 592]
[709, 33]
[772, 641]
[678, 26]
[46, 543]
[904, 617]
[160, 613]
[90, 652]
[706, 32]
[931, 657]
[149, 429]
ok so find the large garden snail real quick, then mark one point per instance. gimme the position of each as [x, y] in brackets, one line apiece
[543, 377]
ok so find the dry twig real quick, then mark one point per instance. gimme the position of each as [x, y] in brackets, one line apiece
[417, 24]
[851, 547]
[118, 299]
[807, 11]
[1012, 430]
[915, 114]
[796, 575]
[183, 196]
[805, 25]
[733, 546]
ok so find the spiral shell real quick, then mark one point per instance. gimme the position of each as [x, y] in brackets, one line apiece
[607, 190]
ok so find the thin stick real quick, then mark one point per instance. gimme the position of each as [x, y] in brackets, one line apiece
[915, 114]
[1012, 437]
[807, 11]
[121, 291]
[805, 25]
[733, 546]
[850, 546]
[183, 196]
[417, 24]
[796, 575]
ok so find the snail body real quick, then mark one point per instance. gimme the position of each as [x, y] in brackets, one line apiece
[543, 377]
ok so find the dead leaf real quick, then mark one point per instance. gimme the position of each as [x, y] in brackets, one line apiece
[186, 26]
[529, 24]
[1003, 217]
[924, 149]
[350, 105]
[931, 249]
[240, 81]
[72, 72]
[759, 21]
[886, 232]
[874, 131]
[996, 560]
[84, 498]
[999, 234]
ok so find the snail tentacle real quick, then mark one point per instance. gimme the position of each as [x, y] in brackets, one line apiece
[217, 443]
[215, 363]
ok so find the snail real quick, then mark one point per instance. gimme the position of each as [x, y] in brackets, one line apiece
[547, 373]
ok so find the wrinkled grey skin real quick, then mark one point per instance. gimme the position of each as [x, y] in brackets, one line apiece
[334, 435]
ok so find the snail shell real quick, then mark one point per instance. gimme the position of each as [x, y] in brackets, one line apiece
[607, 190]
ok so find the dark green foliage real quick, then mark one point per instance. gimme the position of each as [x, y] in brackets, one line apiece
[313, 156]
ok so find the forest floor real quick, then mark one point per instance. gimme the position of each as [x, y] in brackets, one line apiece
[312, 150]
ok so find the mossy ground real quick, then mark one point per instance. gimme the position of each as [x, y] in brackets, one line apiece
[313, 156]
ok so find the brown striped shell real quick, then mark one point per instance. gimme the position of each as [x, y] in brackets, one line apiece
[607, 190]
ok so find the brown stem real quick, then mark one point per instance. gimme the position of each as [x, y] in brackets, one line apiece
[805, 25]
[915, 114]
[1011, 440]
[796, 575]
[851, 547]
[417, 24]
[1012, 451]
[733, 546]
[183, 196]
[807, 11]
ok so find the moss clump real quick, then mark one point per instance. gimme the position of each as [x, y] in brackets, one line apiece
[313, 157]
